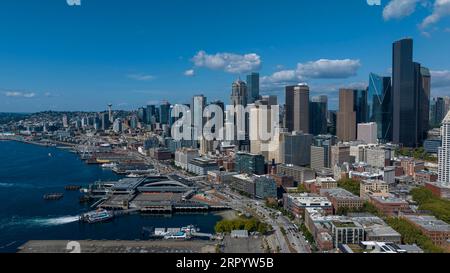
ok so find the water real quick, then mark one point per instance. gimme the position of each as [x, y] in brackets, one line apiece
[27, 172]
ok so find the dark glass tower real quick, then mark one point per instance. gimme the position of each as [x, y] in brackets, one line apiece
[318, 109]
[405, 94]
[253, 87]
[164, 113]
[360, 105]
[380, 106]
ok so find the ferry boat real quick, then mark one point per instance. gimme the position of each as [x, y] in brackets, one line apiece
[97, 216]
[109, 165]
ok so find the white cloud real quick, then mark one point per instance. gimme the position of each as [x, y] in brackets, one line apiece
[440, 78]
[441, 9]
[398, 9]
[281, 76]
[141, 77]
[329, 69]
[229, 62]
[18, 94]
[320, 69]
[189, 73]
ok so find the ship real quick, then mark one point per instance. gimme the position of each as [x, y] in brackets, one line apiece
[53, 196]
[96, 216]
[109, 165]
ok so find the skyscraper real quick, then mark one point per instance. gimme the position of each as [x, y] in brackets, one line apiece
[424, 89]
[318, 109]
[410, 92]
[198, 105]
[437, 111]
[444, 153]
[239, 97]
[380, 106]
[346, 116]
[297, 108]
[253, 87]
[360, 105]
[164, 113]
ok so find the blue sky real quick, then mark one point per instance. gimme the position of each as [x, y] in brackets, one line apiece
[59, 57]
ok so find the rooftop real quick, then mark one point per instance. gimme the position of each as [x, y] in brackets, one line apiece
[429, 222]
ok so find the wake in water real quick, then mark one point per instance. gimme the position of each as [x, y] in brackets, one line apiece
[18, 185]
[39, 222]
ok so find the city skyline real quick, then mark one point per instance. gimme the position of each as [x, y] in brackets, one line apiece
[149, 57]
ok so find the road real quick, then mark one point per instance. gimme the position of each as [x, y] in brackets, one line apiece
[295, 239]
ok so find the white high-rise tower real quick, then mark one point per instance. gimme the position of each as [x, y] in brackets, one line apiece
[444, 153]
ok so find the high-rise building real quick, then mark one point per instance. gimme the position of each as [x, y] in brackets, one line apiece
[424, 103]
[250, 163]
[380, 105]
[437, 111]
[360, 105]
[410, 96]
[117, 126]
[253, 87]
[346, 116]
[444, 153]
[297, 149]
[197, 108]
[111, 118]
[105, 121]
[164, 112]
[239, 96]
[65, 121]
[297, 108]
[367, 132]
[318, 109]
[321, 151]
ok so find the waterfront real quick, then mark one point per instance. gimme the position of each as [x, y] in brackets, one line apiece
[29, 171]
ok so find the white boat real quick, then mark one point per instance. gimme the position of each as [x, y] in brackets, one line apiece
[109, 165]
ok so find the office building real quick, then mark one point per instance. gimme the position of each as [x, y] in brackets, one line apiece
[340, 154]
[367, 132]
[411, 96]
[250, 163]
[297, 148]
[380, 105]
[197, 108]
[164, 116]
[318, 109]
[444, 154]
[436, 230]
[252, 87]
[265, 187]
[297, 203]
[297, 108]
[360, 105]
[346, 116]
[300, 174]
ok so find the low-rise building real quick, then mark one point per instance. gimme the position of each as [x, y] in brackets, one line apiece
[297, 203]
[437, 230]
[346, 232]
[341, 198]
[284, 181]
[300, 174]
[389, 205]
[202, 165]
[183, 156]
[373, 188]
[160, 154]
[265, 187]
[315, 185]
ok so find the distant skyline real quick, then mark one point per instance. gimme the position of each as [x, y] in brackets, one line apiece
[132, 53]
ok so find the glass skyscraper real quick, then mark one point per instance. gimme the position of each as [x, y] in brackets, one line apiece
[318, 109]
[253, 87]
[360, 105]
[379, 105]
[164, 113]
[408, 96]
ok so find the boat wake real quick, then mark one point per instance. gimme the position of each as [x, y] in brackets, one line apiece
[17, 185]
[15, 222]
